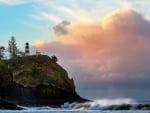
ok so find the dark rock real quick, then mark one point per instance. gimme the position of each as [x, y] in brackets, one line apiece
[143, 107]
[119, 107]
[36, 81]
[8, 106]
[128, 107]
[50, 95]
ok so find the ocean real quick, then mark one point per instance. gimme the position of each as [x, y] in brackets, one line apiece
[73, 111]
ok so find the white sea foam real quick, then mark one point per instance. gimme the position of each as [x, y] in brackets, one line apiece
[98, 104]
[119, 101]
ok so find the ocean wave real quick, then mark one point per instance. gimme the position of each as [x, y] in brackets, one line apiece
[102, 104]
[107, 104]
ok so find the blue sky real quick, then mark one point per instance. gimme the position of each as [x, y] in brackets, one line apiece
[33, 20]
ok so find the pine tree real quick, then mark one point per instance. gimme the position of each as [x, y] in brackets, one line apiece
[12, 46]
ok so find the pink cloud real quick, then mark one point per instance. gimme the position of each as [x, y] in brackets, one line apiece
[113, 54]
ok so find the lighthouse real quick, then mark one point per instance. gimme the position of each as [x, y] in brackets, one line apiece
[27, 49]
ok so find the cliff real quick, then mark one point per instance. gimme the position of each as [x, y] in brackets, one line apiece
[36, 80]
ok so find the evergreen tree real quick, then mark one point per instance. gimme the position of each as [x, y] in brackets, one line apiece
[54, 59]
[12, 47]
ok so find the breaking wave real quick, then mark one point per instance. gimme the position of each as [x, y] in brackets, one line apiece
[102, 104]
[99, 104]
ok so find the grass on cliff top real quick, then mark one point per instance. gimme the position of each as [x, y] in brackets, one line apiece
[39, 69]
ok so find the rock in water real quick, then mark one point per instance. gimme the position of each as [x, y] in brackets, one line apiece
[9, 106]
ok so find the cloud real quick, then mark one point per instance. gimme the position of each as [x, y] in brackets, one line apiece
[78, 14]
[72, 10]
[38, 43]
[108, 59]
[61, 28]
[46, 17]
[13, 2]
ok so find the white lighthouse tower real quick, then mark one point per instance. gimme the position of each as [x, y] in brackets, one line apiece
[27, 49]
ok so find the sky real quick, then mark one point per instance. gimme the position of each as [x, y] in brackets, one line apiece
[103, 44]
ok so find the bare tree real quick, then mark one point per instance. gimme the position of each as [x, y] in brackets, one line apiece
[12, 47]
[2, 48]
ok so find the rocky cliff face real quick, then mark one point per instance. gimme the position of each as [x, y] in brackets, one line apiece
[36, 80]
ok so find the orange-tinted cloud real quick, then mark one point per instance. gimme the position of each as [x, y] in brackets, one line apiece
[39, 43]
[113, 54]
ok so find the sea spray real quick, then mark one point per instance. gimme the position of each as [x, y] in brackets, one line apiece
[118, 101]
[99, 104]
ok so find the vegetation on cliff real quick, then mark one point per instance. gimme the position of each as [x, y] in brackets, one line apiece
[31, 71]
[5, 73]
